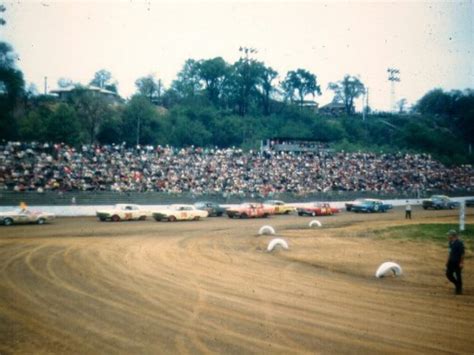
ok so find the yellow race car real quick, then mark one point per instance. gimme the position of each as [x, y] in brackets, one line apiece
[280, 207]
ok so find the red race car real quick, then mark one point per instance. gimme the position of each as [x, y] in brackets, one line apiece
[251, 209]
[317, 209]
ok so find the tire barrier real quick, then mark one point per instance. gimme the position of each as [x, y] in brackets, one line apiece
[265, 230]
[388, 267]
[277, 242]
[314, 223]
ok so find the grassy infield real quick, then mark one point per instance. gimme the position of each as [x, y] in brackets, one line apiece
[435, 233]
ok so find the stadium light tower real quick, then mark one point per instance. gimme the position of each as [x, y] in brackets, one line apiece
[393, 77]
[247, 51]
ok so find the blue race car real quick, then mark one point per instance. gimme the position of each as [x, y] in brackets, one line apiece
[369, 206]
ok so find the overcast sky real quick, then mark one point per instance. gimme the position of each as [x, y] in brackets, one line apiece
[430, 42]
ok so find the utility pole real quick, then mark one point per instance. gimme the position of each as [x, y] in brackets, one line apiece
[46, 85]
[393, 77]
[365, 103]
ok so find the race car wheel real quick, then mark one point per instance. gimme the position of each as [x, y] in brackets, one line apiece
[172, 219]
[142, 218]
[243, 215]
[265, 215]
[8, 221]
[196, 218]
[115, 218]
[40, 221]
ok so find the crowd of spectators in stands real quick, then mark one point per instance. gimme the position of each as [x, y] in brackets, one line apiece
[44, 167]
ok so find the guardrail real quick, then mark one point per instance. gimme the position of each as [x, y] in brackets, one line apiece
[89, 198]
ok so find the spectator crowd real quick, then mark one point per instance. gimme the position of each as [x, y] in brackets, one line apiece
[44, 167]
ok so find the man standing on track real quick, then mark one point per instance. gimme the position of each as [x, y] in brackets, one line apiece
[455, 261]
[408, 210]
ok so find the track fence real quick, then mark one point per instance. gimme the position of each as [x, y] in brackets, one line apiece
[89, 198]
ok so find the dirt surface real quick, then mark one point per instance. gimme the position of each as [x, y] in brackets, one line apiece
[82, 286]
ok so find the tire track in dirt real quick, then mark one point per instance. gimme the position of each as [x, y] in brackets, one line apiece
[80, 286]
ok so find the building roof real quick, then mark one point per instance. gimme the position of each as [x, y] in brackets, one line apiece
[333, 106]
[89, 88]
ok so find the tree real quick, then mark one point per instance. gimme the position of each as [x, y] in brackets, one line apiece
[435, 102]
[150, 87]
[245, 74]
[65, 82]
[346, 91]
[213, 73]
[103, 79]
[63, 126]
[185, 131]
[266, 87]
[11, 90]
[140, 121]
[188, 83]
[91, 110]
[33, 126]
[401, 104]
[300, 83]
[464, 115]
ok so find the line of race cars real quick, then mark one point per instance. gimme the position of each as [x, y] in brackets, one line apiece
[182, 212]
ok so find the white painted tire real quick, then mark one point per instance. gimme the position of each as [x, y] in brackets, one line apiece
[277, 242]
[387, 268]
[314, 223]
[265, 230]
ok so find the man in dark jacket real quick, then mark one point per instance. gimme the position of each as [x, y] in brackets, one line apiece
[455, 260]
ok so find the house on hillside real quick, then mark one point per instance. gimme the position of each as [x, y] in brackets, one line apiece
[64, 94]
[308, 104]
[333, 109]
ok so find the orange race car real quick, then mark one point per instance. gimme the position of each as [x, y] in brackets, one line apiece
[250, 210]
[317, 209]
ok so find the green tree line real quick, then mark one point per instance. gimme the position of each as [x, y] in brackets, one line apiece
[215, 103]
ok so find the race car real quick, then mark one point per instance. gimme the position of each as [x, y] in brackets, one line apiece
[439, 202]
[352, 203]
[123, 212]
[212, 208]
[317, 209]
[371, 205]
[280, 207]
[250, 210]
[179, 213]
[24, 215]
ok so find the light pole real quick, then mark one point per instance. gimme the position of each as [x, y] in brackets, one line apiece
[393, 77]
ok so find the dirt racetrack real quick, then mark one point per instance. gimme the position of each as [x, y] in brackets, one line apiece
[82, 286]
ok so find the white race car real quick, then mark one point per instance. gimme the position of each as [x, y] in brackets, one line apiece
[179, 213]
[24, 215]
[123, 212]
